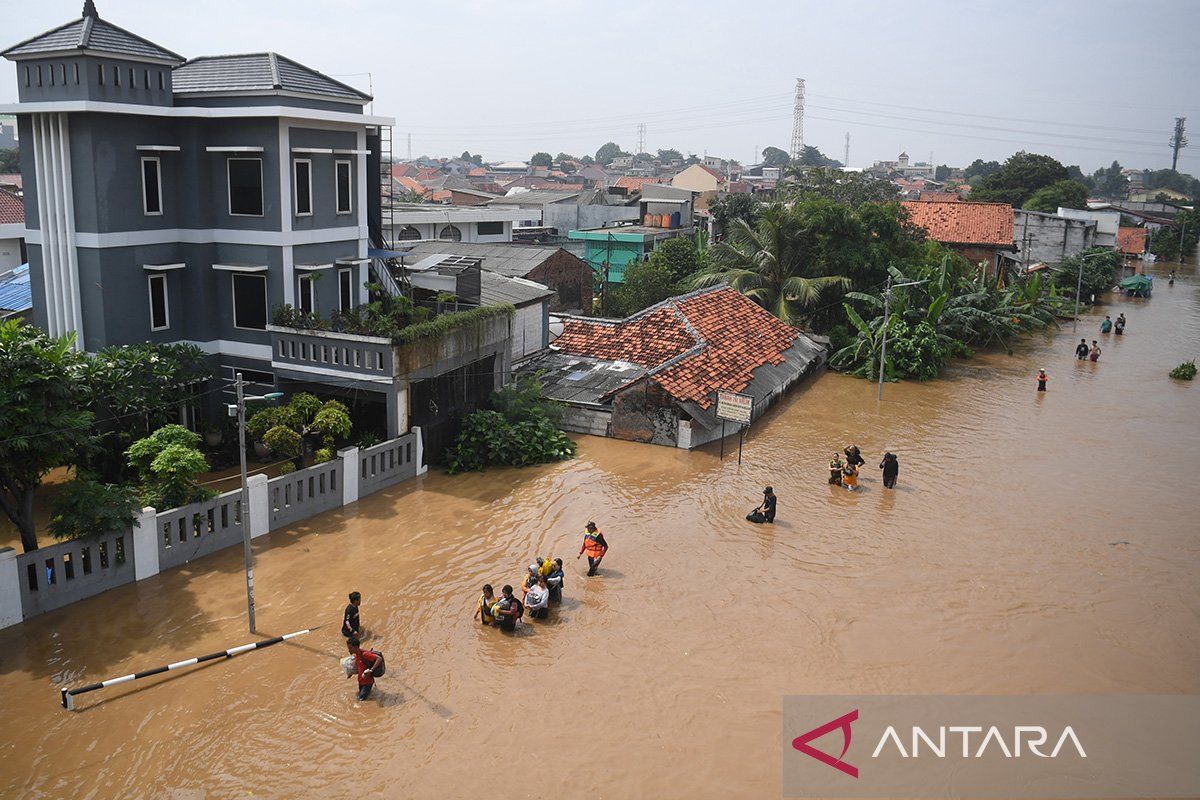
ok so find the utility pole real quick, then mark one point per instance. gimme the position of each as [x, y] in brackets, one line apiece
[1079, 288]
[887, 310]
[1178, 141]
[240, 411]
[798, 122]
[846, 154]
[410, 147]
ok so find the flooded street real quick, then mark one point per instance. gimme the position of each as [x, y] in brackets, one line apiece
[1034, 544]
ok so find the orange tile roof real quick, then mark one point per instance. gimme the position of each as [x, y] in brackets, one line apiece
[692, 345]
[12, 209]
[940, 197]
[634, 182]
[412, 185]
[1131, 241]
[963, 223]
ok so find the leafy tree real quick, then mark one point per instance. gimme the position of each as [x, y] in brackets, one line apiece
[1076, 174]
[724, 210]
[1110, 183]
[608, 151]
[772, 263]
[646, 283]
[1100, 266]
[774, 157]
[10, 161]
[942, 172]
[284, 429]
[1065, 194]
[977, 170]
[691, 159]
[587, 161]
[1164, 243]
[85, 507]
[1170, 179]
[669, 154]
[848, 188]
[520, 429]
[1015, 182]
[679, 258]
[541, 159]
[42, 423]
[812, 157]
[167, 463]
[133, 390]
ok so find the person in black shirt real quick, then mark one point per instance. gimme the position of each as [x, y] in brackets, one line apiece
[350, 623]
[767, 509]
[1082, 350]
[891, 468]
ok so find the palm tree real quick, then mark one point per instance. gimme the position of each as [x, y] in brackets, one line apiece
[769, 262]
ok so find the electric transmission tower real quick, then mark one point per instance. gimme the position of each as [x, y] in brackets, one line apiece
[798, 122]
[1178, 141]
[846, 154]
[641, 138]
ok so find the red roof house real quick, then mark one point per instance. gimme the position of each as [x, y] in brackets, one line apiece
[633, 183]
[12, 209]
[1131, 241]
[978, 231]
[654, 376]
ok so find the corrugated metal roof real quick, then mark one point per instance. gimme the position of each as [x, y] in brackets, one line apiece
[16, 295]
[535, 197]
[92, 33]
[496, 290]
[511, 260]
[257, 72]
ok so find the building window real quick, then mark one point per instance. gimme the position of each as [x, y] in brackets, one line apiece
[490, 228]
[146, 78]
[345, 289]
[308, 293]
[342, 177]
[75, 70]
[408, 234]
[26, 77]
[151, 186]
[450, 233]
[132, 79]
[62, 71]
[303, 184]
[116, 75]
[250, 302]
[39, 74]
[162, 82]
[245, 187]
[160, 318]
[100, 72]
[51, 68]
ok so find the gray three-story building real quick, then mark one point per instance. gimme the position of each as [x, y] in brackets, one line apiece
[171, 199]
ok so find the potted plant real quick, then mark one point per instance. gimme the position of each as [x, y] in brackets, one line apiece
[214, 436]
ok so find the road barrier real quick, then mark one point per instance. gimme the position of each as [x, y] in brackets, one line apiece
[68, 695]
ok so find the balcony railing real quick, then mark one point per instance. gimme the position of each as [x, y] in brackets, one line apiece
[332, 353]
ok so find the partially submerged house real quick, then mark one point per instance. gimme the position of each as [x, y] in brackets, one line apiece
[654, 377]
[980, 232]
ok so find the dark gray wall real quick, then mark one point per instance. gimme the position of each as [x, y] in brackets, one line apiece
[323, 192]
[267, 100]
[89, 87]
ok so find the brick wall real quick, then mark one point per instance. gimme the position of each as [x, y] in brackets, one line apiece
[645, 412]
[571, 279]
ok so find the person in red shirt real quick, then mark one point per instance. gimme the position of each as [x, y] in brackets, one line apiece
[364, 664]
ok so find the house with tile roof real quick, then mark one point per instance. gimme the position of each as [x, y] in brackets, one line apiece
[981, 232]
[654, 377]
[1131, 241]
[12, 231]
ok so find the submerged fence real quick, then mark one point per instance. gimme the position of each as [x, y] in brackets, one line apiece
[60, 574]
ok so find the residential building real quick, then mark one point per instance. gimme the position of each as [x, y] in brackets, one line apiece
[182, 200]
[16, 297]
[700, 179]
[1107, 219]
[565, 274]
[1050, 238]
[633, 184]
[11, 182]
[903, 168]
[981, 232]
[531, 322]
[8, 133]
[563, 211]
[12, 231]
[1132, 241]
[654, 377]
[452, 223]
[509, 168]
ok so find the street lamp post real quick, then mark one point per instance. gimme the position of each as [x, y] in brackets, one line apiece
[240, 410]
[887, 305]
[1079, 288]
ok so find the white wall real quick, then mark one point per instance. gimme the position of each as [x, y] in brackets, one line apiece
[529, 328]
[10, 254]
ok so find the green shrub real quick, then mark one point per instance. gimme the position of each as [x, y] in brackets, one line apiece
[1185, 371]
[167, 463]
[287, 317]
[488, 439]
[86, 507]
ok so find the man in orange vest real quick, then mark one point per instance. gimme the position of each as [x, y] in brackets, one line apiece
[595, 547]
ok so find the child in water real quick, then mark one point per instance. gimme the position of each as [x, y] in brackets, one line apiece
[850, 477]
[1042, 377]
[835, 470]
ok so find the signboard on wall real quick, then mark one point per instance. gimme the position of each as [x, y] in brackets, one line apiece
[735, 407]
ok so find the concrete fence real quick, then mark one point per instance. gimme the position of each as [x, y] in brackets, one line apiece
[60, 574]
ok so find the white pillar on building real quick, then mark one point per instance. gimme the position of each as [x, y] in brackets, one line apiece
[10, 588]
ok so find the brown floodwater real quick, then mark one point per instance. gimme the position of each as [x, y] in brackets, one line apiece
[1035, 543]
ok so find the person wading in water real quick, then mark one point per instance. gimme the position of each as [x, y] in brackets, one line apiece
[1082, 350]
[1042, 377]
[1119, 328]
[891, 468]
[835, 470]
[595, 546]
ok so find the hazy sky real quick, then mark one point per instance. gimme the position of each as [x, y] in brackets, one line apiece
[1086, 81]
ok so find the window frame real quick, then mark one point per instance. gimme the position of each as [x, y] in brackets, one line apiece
[480, 232]
[100, 74]
[337, 194]
[166, 300]
[262, 188]
[307, 289]
[233, 282]
[296, 162]
[345, 292]
[158, 177]
[450, 226]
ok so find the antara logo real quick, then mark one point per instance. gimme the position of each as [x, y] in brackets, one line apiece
[1034, 737]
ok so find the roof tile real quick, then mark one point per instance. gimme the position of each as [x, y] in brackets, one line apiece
[963, 223]
[12, 209]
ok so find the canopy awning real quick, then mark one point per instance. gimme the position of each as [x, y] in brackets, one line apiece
[383, 255]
